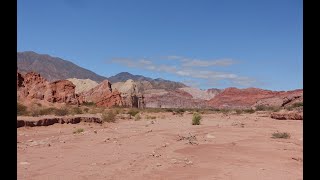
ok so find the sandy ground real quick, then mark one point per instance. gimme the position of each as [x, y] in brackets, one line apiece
[223, 147]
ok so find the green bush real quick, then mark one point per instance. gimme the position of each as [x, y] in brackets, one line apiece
[137, 117]
[21, 109]
[109, 116]
[133, 112]
[196, 119]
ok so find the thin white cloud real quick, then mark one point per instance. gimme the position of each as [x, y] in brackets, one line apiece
[190, 69]
[188, 62]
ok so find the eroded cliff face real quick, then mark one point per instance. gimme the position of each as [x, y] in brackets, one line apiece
[32, 86]
[130, 93]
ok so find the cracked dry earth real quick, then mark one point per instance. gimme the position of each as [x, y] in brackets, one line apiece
[168, 147]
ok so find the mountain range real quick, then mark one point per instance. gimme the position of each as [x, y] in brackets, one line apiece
[54, 68]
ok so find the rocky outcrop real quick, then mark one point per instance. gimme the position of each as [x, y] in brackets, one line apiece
[47, 121]
[83, 85]
[294, 115]
[282, 99]
[239, 98]
[253, 97]
[130, 94]
[61, 91]
[102, 95]
[32, 86]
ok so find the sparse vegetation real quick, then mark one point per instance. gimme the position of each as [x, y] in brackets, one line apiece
[267, 108]
[61, 112]
[150, 117]
[297, 104]
[77, 131]
[21, 109]
[248, 111]
[86, 110]
[88, 104]
[196, 119]
[133, 112]
[283, 135]
[137, 117]
[76, 110]
[109, 116]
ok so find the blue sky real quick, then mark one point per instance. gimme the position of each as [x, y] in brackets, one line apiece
[203, 43]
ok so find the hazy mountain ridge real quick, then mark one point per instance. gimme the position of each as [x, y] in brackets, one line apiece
[53, 68]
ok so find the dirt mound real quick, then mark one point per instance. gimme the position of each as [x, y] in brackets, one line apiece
[83, 84]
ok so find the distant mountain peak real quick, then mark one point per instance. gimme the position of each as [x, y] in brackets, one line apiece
[53, 68]
[158, 83]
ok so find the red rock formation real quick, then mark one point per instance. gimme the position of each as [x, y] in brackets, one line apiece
[33, 86]
[102, 95]
[239, 98]
[62, 91]
[252, 97]
[282, 99]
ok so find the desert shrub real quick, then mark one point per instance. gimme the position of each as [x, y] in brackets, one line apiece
[133, 112]
[86, 109]
[137, 117]
[239, 111]
[77, 131]
[297, 104]
[150, 117]
[224, 111]
[21, 109]
[283, 135]
[76, 110]
[88, 104]
[250, 111]
[109, 116]
[169, 110]
[41, 112]
[61, 112]
[49, 111]
[196, 119]
[267, 108]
